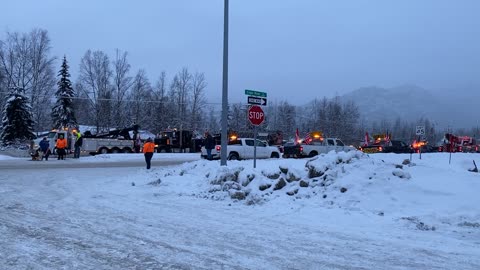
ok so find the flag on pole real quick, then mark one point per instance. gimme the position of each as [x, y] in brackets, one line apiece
[297, 137]
[367, 139]
[307, 139]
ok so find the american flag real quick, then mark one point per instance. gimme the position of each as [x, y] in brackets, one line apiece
[307, 139]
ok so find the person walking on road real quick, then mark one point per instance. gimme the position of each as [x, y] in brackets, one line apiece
[209, 144]
[61, 145]
[148, 149]
[78, 143]
[45, 147]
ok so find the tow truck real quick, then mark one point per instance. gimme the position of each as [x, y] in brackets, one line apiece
[113, 141]
[453, 143]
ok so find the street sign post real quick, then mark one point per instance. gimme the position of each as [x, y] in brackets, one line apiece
[256, 116]
[255, 93]
[257, 101]
[420, 130]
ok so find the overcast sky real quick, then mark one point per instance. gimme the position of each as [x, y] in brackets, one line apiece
[291, 49]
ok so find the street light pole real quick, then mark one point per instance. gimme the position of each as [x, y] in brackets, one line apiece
[223, 151]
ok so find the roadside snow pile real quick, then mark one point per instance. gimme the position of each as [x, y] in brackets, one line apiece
[18, 149]
[328, 176]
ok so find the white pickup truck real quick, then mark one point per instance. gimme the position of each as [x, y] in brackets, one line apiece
[314, 148]
[243, 148]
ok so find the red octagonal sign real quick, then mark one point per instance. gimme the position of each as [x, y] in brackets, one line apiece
[256, 115]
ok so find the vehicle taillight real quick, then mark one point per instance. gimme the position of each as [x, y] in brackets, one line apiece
[459, 149]
[301, 148]
[218, 147]
[380, 149]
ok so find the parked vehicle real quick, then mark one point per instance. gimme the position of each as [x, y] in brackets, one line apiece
[453, 143]
[113, 141]
[391, 146]
[174, 140]
[314, 147]
[243, 148]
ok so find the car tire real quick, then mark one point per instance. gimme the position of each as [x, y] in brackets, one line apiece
[233, 156]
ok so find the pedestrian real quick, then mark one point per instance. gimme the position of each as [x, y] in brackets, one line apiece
[148, 149]
[209, 144]
[61, 145]
[78, 143]
[137, 142]
[45, 146]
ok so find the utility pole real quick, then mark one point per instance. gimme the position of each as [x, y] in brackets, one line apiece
[223, 151]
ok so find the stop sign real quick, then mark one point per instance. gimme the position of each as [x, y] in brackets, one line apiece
[256, 115]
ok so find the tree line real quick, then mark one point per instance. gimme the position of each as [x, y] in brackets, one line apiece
[108, 94]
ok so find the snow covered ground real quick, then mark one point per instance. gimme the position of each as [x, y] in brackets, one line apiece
[337, 211]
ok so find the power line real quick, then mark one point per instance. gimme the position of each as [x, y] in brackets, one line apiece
[123, 100]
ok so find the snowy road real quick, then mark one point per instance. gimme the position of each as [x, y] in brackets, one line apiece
[70, 219]
[53, 163]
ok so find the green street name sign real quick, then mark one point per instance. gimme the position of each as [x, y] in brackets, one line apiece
[255, 93]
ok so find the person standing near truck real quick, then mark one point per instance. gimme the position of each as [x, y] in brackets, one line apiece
[78, 143]
[61, 144]
[209, 144]
[148, 149]
[45, 146]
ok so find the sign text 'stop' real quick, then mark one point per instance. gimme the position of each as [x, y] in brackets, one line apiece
[256, 115]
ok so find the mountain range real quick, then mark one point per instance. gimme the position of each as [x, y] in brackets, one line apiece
[457, 108]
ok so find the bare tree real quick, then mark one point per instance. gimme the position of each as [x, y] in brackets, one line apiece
[286, 112]
[198, 99]
[95, 77]
[140, 97]
[25, 62]
[179, 92]
[122, 83]
[160, 114]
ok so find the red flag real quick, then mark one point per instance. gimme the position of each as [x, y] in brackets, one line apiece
[367, 139]
[297, 137]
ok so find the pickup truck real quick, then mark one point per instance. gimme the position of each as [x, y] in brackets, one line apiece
[291, 150]
[243, 148]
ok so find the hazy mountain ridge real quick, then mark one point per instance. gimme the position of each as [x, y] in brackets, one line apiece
[409, 102]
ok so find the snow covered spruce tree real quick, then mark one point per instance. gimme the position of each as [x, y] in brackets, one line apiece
[63, 114]
[17, 120]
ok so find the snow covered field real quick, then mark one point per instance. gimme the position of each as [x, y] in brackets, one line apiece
[338, 211]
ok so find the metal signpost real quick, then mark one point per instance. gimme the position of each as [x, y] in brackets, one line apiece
[256, 116]
[420, 131]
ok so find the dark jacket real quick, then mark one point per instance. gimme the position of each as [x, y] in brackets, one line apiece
[209, 142]
[79, 141]
[44, 145]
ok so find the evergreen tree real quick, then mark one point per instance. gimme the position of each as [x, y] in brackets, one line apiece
[63, 114]
[17, 120]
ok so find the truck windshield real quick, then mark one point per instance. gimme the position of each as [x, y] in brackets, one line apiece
[340, 143]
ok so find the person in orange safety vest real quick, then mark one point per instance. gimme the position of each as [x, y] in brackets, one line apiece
[61, 144]
[148, 149]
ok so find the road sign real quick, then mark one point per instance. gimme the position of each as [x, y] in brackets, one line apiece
[420, 130]
[255, 93]
[257, 101]
[256, 115]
